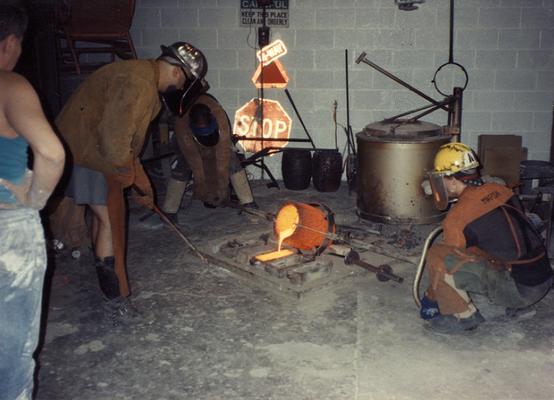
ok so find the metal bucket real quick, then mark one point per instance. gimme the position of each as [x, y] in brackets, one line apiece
[393, 159]
[310, 223]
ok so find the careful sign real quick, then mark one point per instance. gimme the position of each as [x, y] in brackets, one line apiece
[248, 126]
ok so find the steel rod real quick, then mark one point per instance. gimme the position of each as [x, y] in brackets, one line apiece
[424, 113]
[180, 234]
[299, 117]
[349, 136]
[451, 47]
[415, 110]
[273, 139]
[362, 58]
[384, 272]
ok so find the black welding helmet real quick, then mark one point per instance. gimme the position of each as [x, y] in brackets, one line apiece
[194, 65]
[203, 125]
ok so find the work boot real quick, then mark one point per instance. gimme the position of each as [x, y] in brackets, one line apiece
[252, 204]
[429, 308]
[449, 324]
[121, 311]
[107, 279]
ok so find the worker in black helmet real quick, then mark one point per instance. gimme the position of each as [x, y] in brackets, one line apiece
[104, 124]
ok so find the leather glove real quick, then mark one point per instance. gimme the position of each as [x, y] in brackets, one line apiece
[142, 187]
[125, 175]
[143, 200]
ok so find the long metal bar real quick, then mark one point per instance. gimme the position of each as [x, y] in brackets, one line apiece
[362, 58]
[273, 139]
[299, 117]
[424, 113]
[413, 111]
[347, 88]
[451, 48]
[383, 272]
[261, 103]
[173, 226]
[456, 120]
[180, 234]
[349, 136]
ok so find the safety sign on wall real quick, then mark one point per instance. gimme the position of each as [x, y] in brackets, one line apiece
[277, 13]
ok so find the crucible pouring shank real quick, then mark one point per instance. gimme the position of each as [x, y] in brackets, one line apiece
[383, 272]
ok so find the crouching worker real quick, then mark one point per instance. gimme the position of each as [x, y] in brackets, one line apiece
[489, 247]
[206, 152]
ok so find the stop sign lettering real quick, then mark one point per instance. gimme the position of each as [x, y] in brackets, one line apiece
[276, 124]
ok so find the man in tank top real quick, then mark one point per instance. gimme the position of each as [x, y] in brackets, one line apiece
[22, 195]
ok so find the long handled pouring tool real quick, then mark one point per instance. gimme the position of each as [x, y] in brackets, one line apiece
[383, 272]
[174, 227]
[180, 234]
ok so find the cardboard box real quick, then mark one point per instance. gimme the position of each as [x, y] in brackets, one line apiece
[500, 156]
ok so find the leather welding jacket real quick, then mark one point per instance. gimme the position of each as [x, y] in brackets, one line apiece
[488, 217]
[209, 165]
[105, 121]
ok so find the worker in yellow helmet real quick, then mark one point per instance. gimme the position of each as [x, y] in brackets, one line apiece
[489, 246]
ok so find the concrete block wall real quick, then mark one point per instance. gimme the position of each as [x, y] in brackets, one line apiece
[506, 46]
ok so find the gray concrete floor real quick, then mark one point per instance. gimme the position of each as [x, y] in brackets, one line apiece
[204, 333]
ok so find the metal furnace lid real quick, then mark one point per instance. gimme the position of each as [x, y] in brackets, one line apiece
[400, 130]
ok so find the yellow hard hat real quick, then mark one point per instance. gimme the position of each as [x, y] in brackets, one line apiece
[454, 157]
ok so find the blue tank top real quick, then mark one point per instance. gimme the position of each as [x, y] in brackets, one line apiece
[13, 163]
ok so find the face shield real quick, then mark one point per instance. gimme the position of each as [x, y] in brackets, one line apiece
[438, 187]
[179, 101]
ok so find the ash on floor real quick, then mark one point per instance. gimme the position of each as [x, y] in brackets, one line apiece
[202, 333]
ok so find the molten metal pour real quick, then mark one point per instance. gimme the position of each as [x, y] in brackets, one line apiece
[306, 227]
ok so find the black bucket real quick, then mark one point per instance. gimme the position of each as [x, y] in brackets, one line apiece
[296, 167]
[327, 170]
